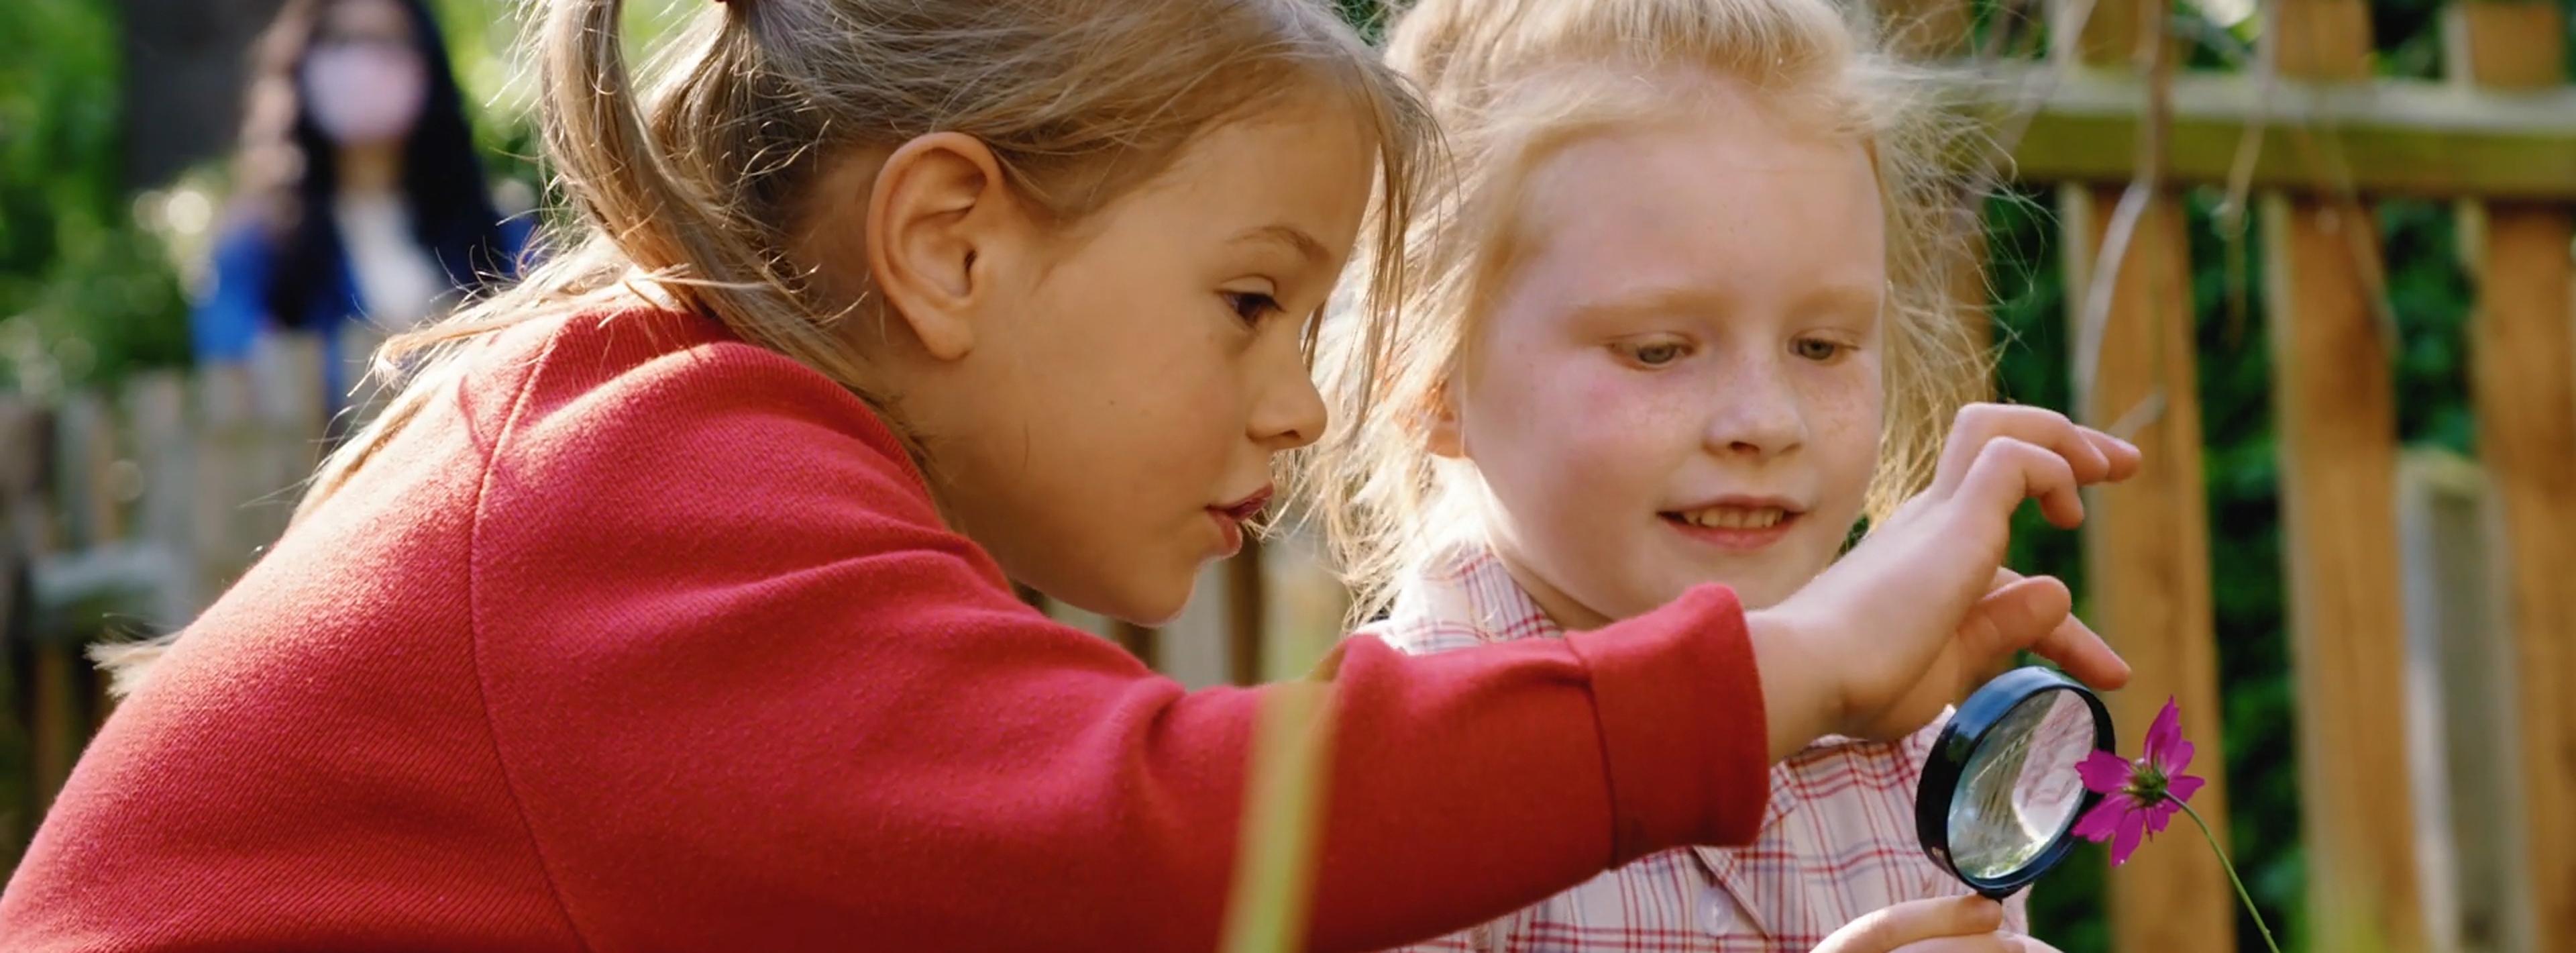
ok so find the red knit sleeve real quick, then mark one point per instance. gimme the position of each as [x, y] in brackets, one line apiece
[749, 692]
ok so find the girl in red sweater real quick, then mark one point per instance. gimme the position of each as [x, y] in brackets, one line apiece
[665, 607]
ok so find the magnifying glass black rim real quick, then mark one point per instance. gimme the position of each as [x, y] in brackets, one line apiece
[1959, 741]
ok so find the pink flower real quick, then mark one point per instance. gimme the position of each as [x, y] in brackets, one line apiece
[2140, 796]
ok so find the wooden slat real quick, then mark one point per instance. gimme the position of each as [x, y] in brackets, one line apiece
[1305, 605]
[2146, 541]
[23, 453]
[1246, 614]
[1926, 29]
[259, 434]
[157, 404]
[2523, 349]
[1973, 298]
[2476, 896]
[2321, 39]
[1934, 30]
[22, 470]
[224, 440]
[55, 728]
[2337, 426]
[1141, 641]
[85, 439]
[2111, 31]
[2335, 405]
[296, 410]
[2147, 556]
[2399, 136]
[1031, 597]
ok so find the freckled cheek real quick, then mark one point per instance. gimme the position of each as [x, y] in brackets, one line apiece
[1846, 411]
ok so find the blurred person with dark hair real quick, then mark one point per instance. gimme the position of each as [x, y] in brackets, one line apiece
[361, 206]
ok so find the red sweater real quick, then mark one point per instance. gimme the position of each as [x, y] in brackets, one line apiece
[645, 638]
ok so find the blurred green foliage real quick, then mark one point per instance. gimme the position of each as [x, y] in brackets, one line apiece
[85, 291]
[91, 272]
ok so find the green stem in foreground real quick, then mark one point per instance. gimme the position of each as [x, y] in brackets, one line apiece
[2231, 876]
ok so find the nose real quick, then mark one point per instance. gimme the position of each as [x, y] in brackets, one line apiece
[1287, 411]
[1758, 411]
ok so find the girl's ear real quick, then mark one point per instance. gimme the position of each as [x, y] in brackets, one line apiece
[1439, 422]
[940, 219]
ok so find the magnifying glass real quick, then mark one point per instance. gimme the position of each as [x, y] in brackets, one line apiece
[1999, 796]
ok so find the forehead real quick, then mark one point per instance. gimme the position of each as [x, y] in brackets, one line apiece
[1728, 197]
[1304, 163]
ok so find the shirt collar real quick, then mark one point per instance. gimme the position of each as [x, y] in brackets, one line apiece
[1470, 587]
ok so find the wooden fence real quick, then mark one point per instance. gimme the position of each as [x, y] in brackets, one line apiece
[137, 504]
[2118, 129]
[122, 515]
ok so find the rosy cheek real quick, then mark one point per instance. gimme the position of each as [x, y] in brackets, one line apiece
[1846, 410]
[1860, 400]
[1618, 411]
[1601, 393]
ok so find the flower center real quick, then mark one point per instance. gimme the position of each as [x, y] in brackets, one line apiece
[2146, 782]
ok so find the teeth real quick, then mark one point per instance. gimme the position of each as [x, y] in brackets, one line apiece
[1736, 517]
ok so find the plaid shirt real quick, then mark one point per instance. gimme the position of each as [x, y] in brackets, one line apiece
[1837, 840]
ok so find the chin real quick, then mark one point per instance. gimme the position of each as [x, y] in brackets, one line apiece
[1149, 602]
[1151, 617]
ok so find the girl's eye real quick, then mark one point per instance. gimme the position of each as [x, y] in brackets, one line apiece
[1251, 306]
[1818, 349]
[1653, 353]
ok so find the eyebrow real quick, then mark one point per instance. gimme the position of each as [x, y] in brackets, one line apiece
[1660, 299]
[1298, 241]
[1654, 300]
[1843, 297]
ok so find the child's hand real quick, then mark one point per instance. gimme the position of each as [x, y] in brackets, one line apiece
[1969, 924]
[1922, 609]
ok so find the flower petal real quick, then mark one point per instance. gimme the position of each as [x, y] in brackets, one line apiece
[2160, 815]
[2098, 824]
[2174, 759]
[2133, 826]
[2165, 733]
[2104, 772]
[2182, 787]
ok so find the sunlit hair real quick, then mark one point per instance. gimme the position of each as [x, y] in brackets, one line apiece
[1511, 83]
[689, 182]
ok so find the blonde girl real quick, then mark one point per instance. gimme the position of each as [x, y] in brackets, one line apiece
[1676, 316]
[668, 606]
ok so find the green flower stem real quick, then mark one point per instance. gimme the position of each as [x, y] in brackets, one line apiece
[2231, 876]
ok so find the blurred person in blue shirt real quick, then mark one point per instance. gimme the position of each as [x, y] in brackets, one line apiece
[361, 207]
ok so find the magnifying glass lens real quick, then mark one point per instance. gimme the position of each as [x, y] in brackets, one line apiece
[2019, 791]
